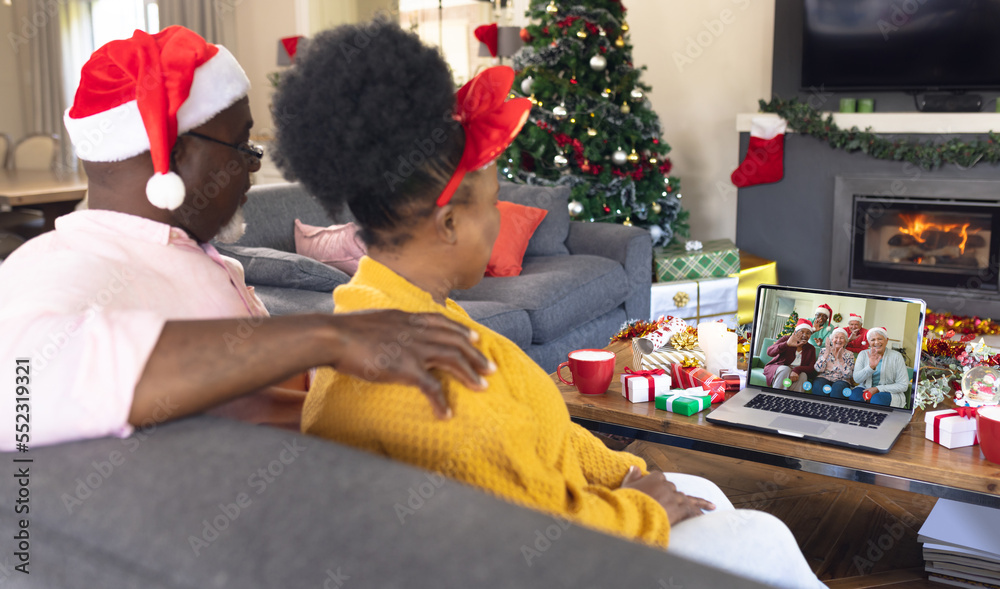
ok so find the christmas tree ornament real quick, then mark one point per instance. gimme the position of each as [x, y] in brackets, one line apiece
[560, 160]
[652, 160]
[592, 132]
[581, 34]
[585, 166]
[624, 27]
[619, 42]
[657, 207]
[526, 84]
[560, 112]
[619, 157]
[655, 233]
[602, 32]
[573, 80]
[575, 208]
[573, 120]
[764, 161]
[606, 93]
[598, 63]
[627, 222]
[532, 99]
[607, 209]
[552, 8]
[679, 195]
[636, 94]
[633, 157]
[626, 108]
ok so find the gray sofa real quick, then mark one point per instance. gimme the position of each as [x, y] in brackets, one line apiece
[208, 502]
[580, 282]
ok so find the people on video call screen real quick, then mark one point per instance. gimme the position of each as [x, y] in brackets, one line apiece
[842, 347]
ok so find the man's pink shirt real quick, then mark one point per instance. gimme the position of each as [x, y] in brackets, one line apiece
[86, 303]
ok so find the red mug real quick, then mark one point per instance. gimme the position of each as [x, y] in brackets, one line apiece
[988, 430]
[591, 370]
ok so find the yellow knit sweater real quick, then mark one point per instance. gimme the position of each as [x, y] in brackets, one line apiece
[515, 439]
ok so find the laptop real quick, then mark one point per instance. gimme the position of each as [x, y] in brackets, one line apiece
[829, 415]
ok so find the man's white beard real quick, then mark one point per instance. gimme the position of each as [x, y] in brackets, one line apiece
[232, 231]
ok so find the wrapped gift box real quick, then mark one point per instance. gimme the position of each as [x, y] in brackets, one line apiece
[696, 300]
[715, 259]
[735, 380]
[754, 271]
[663, 357]
[950, 429]
[684, 402]
[687, 378]
[642, 386]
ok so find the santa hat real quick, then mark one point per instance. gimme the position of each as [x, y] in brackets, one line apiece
[839, 330]
[825, 310]
[139, 94]
[875, 331]
[855, 317]
[803, 324]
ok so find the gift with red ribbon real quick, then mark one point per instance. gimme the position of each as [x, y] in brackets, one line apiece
[686, 377]
[952, 428]
[641, 386]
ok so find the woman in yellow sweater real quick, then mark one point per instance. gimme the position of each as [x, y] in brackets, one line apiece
[378, 128]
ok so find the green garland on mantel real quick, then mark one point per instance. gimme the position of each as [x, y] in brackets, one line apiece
[928, 155]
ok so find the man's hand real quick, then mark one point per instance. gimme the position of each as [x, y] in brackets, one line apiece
[678, 506]
[794, 377]
[392, 346]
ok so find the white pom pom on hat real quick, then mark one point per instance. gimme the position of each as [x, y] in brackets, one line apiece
[139, 94]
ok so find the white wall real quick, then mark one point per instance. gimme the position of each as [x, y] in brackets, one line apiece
[708, 60]
[10, 85]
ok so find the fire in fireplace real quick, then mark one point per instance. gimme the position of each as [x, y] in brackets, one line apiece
[931, 238]
[925, 242]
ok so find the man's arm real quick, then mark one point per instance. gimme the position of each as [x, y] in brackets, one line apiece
[197, 365]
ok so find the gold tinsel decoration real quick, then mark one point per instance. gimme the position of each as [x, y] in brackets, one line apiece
[681, 299]
[685, 340]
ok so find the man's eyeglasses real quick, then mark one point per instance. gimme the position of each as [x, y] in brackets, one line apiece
[249, 148]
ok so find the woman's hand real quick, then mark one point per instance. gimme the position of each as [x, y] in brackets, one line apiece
[793, 376]
[873, 360]
[869, 393]
[678, 506]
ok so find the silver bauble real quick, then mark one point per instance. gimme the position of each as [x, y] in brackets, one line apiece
[636, 94]
[655, 233]
[559, 112]
[575, 208]
[598, 63]
[560, 160]
[619, 157]
[526, 85]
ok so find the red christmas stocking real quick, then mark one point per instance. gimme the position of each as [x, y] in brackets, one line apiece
[764, 162]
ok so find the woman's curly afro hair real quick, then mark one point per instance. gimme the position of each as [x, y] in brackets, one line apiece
[364, 118]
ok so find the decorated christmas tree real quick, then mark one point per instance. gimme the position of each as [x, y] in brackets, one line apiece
[591, 127]
[789, 325]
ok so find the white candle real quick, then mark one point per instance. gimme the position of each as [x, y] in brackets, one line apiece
[719, 345]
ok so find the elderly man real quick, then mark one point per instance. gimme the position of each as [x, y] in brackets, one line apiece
[125, 314]
[793, 359]
[857, 336]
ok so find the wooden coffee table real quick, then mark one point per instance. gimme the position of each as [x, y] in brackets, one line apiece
[53, 193]
[914, 464]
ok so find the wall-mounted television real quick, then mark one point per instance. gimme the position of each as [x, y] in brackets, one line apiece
[911, 45]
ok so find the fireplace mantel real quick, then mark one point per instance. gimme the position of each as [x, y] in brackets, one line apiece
[902, 122]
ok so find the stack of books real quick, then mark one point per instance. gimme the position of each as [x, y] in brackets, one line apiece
[962, 545]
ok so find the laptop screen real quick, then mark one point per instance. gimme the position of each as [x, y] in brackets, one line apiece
[852, 348]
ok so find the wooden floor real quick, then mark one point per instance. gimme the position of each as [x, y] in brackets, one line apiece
[853, 535]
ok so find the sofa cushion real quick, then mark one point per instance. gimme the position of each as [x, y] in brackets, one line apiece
[517, 225]
[558, 292]
[293, 301]
[550, 236]
[512, 323]
[264, 266]
[271, 211]
[337, 245]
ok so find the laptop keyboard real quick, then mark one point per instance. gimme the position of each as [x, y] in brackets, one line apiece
[822, 411]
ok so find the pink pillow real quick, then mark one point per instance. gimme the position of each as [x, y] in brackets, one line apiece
[337, 245]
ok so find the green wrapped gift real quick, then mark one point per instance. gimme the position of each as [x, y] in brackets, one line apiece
[715, 259]
[685, 402]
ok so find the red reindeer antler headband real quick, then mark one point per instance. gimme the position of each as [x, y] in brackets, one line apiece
[490, 122]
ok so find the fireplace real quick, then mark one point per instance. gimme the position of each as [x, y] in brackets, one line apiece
[933, 239]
